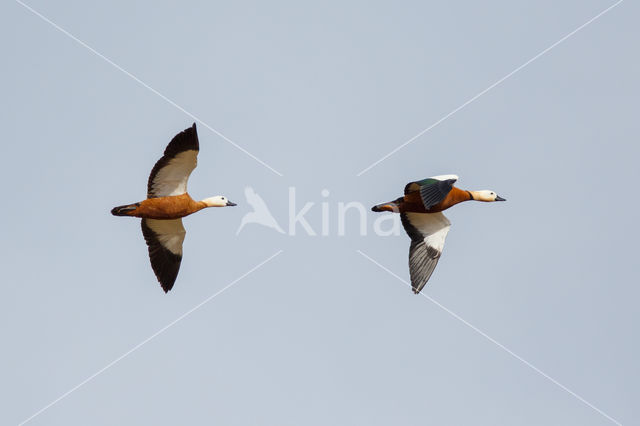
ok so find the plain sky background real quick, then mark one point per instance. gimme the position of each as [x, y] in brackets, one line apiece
[320, 335]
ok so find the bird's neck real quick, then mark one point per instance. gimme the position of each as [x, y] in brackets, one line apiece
[454, 197]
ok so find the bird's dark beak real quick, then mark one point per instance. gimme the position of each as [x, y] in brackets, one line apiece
[499, 198]
[230, 204]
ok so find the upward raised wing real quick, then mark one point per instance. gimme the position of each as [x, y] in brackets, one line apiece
[170, 174]
[427, 232]
[432, 190]
[164, 238]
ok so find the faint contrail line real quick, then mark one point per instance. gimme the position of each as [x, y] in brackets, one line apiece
[488, 88]
[494, 341]
[142, 83]
[145, 341]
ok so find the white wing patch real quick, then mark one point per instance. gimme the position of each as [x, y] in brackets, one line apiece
[428, 232]
[434, 227]
[444, 177]
[170, 234]
[173, 177]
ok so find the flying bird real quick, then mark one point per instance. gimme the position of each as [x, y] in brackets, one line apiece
[421, 214]
[167, 203]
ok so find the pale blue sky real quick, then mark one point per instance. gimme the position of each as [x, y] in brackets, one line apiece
[319, 91]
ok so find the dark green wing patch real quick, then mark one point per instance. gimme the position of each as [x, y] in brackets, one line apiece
[427, 181]
[434, 193]
[415, 186]
[432, 190]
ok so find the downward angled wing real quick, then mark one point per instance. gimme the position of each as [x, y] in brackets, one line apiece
[164, 238]
[432, 190]
[170, 174]
[427, 232]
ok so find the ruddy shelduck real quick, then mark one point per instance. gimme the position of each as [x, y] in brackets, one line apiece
[421, 214]
[167, 203]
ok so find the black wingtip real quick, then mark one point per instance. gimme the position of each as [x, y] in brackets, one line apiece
[166, 287]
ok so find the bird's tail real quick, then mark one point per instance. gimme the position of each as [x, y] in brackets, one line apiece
[124, 210]
[391, 206]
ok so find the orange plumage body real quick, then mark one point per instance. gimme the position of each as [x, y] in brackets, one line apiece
[454, 197]
[412, 202]
[167, 203]
[421, 215]
[172, 207]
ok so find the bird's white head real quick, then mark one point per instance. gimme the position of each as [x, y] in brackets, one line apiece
[218, 201]
[486, 195]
